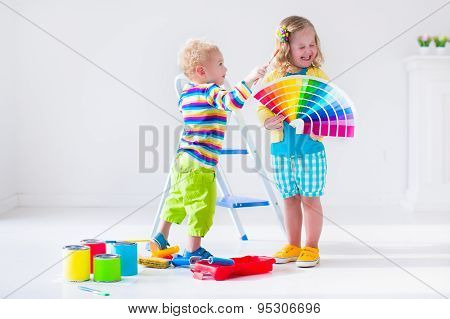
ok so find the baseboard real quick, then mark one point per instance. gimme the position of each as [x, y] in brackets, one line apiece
[426, 206]
[343, 200]
[8, 203]
[85, 200]
[127, 200]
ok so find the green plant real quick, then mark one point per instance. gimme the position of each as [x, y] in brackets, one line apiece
[424, 40]
[440, 41]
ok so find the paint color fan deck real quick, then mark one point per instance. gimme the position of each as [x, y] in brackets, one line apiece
[310, 104]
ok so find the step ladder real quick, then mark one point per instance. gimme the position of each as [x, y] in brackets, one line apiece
[229, 200]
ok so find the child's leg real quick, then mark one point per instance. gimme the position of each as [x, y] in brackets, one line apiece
[159, 240]
[193, 243]
[293, 224]
[313, 220]
[164, 228]
[286, 185]
[200, 205]
[293, 219]
[312, 170]
[173, 210]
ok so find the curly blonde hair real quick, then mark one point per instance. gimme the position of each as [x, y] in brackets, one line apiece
[194, 53]
[292, 24]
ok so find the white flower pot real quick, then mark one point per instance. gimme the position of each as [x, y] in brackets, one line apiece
[424, 50]
[441, 50]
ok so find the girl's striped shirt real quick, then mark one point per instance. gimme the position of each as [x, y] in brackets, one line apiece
[204, 108]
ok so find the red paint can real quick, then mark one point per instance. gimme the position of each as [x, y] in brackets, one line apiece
[98, 247]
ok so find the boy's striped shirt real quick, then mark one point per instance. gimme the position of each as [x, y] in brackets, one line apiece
[204, 108]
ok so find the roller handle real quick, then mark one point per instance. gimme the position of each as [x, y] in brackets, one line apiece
[200, 275]
[220, 261]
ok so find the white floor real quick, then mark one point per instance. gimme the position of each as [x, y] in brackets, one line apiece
[416, 261]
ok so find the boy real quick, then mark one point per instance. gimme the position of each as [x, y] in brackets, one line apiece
[204, 104]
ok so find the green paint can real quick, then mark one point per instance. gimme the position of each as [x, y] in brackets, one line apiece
[107, 268]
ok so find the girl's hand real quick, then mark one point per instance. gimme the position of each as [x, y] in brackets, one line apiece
[256, 74]
[314, 136]
[274, 123]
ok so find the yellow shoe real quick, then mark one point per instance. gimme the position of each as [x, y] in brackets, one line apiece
[287, 254]
[309, 257]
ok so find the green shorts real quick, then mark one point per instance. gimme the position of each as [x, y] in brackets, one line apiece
[192, 193]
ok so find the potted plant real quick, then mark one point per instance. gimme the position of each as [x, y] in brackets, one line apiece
[424, 43]
[440, 43]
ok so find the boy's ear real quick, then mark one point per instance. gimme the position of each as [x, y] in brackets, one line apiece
[200, 70]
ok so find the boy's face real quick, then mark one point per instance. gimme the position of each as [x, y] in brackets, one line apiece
[303, 47]
[214, 68]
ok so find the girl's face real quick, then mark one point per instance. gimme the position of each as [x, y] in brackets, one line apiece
[303, 47]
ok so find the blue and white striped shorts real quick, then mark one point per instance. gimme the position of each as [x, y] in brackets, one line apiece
[303, 175]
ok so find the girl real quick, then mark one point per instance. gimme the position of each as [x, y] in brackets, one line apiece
[298, 160]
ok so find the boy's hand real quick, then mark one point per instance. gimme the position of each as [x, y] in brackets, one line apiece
[256, 74]
[314, 136]
[274, 123]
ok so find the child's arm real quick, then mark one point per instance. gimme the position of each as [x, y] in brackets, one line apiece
[228, 100]
[264, 114]
[234, 99]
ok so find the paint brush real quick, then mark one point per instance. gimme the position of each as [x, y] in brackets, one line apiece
[268, 64]
[273, 56]
[94, 291]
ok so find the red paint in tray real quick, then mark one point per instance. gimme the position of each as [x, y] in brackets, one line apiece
[243, 266]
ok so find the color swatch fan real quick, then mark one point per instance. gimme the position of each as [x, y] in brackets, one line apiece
[310, 104]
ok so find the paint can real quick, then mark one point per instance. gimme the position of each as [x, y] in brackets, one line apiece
[76, 263]
[107, 268]
[128, 253]
[98, 247]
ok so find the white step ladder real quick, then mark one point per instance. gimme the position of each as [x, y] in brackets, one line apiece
[229, 200]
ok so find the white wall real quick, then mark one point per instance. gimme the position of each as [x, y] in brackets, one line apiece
[8, 187]
[78, 128]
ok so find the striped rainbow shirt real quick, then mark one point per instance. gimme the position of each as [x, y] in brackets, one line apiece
[204, 108]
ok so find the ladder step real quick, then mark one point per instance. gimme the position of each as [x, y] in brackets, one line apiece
[233, 151]
[239, 202]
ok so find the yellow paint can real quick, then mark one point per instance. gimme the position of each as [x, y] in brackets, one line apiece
[76, 263]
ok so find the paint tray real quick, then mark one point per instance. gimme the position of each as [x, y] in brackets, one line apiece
[243, 266]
